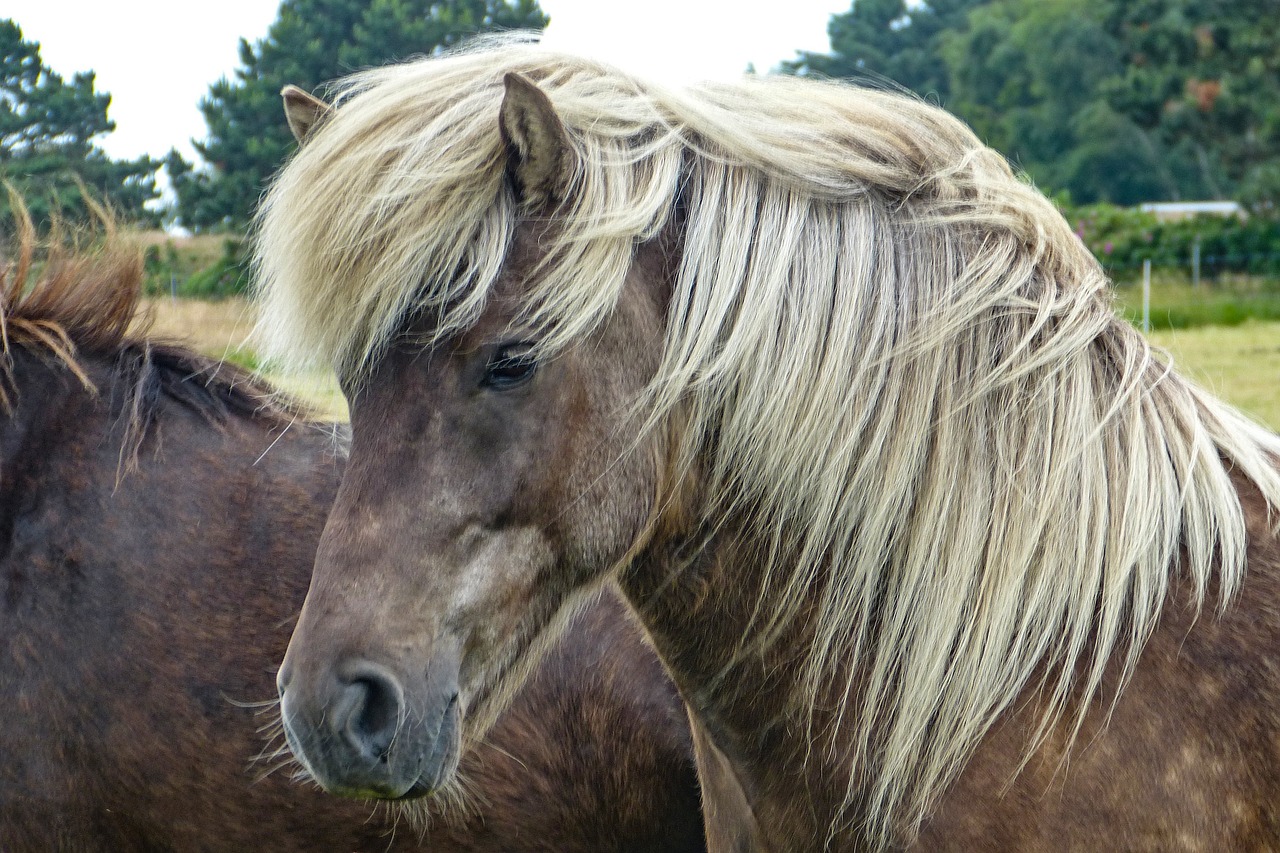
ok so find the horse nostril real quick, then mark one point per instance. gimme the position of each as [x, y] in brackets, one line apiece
[369, 712]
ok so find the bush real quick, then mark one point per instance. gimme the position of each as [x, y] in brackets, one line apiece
[196, 267]
[227, 276]
[1122, 238]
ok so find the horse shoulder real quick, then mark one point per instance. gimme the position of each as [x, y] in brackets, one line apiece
[1189, 755]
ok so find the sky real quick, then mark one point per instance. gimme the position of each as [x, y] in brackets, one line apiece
[157, 58]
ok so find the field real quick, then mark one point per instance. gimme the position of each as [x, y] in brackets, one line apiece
[221, 330]
[1241, 363]
[1176, 304]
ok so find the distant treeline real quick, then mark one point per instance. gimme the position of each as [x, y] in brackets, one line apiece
[1239, 258]
[1119, 101]
[1108, 100]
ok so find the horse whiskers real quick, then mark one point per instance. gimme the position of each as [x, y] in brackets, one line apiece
[271, 751]
[271, 728]
[277, 754]
[259, 707]
[502, 752]
[451, 804]
[388, 813]
[391, 818]
[259, 777]
[275, 750]
[302, 776]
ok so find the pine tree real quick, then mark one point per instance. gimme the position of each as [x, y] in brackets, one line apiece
[48, 153]
[310, 43]
[890, 40]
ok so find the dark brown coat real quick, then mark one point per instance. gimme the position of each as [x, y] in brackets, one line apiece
[158, 522]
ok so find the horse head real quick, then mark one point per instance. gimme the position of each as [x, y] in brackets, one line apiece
[477, 515]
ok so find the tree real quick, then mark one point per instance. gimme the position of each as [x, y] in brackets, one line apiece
[312, 42]
[886, 39]
[1126, 100]
[1111, 100]
[1202, 77]
[1028, 76]
[48, 128]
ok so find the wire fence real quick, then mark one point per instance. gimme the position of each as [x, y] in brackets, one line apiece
[1199, 266]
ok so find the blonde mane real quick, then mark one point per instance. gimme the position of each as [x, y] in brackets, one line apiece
[882, 343]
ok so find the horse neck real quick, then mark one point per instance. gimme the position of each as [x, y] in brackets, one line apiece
[62, 418]
[77, 504]
[699, 598]
[46, 408]
[134, 402]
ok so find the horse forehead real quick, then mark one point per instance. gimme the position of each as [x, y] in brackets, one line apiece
[528, 247]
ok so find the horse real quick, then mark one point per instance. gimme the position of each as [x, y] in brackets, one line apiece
[159, 515]
[940, 554]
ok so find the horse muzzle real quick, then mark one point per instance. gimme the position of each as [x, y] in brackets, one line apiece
[363, 731]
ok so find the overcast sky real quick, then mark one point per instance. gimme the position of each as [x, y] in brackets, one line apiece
[158, 57]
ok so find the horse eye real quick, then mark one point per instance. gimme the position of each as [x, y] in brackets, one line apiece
[511, 365]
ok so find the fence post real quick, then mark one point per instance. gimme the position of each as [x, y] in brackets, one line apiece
[1195, 262]
[1146, 295]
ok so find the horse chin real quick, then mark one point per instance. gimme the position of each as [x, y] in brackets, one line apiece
[424, 787]
[436, 769]
[442, 760]
[435, 765]
[419, 790]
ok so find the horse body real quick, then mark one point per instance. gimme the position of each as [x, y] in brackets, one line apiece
[136, 617]
[926, 537]
[1186, 758]
[159, 515]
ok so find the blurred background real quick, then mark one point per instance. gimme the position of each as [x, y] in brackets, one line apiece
[1153, 124]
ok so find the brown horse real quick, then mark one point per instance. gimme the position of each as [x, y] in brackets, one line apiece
[159, 515]
[935, 548]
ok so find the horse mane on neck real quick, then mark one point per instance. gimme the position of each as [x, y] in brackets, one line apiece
[75, 304]
[885, 346]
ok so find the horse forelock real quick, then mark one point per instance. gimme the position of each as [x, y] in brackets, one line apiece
[891, 351]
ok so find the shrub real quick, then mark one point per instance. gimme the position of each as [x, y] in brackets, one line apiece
[196, 267]
[227, 276]
[1122, 238]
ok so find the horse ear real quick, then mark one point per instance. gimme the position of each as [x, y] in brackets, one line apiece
[303, 111]
[541, 155]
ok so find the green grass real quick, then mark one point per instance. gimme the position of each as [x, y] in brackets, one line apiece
[1175, 304]
[1239, 363]
[220, 329]
[320, 391]
[206, 266]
